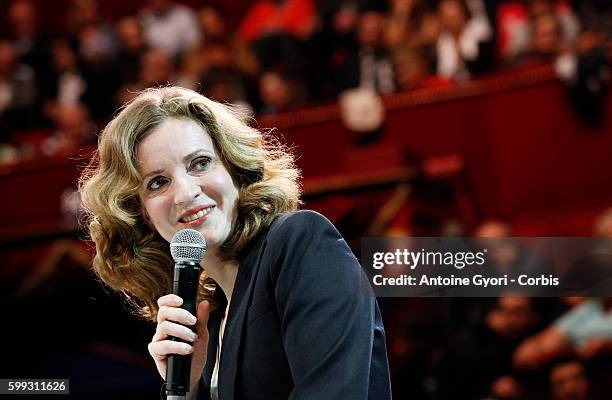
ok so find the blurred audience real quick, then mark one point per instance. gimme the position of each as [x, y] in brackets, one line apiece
[67, 85]
[568, 380]
[265, 17]
[331, 46]
[371, 67]
[73, 131]
[282, 55]
[463, 46]
[585, 330]
[413, 69]
[18, 92]
[517, 19]
[589, 80]
[96, 43]
[132, 47]
[506, 254]
[603, 224]
[595, 16]
[227, 85]
[155, 69]
[192, 68]
[405, 23]
[214, 29]
[479, 357]
[280, 91]
[96, 40]
[31, 47]
[545, 41]
[170, 27]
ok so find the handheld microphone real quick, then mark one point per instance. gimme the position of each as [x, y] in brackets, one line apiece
[187, 249]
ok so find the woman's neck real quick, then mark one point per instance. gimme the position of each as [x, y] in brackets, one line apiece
[222, 272]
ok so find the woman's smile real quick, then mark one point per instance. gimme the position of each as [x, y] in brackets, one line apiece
[196, 216]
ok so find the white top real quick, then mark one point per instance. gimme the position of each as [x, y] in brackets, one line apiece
[214, 381]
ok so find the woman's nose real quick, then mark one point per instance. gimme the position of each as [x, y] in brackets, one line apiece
[187, 189]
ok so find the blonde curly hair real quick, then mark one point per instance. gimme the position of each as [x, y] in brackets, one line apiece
[131, 257]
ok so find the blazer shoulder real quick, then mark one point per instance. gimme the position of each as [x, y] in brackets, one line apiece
[298, 235]
[299, 222]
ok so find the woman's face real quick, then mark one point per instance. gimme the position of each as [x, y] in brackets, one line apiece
[185, 183]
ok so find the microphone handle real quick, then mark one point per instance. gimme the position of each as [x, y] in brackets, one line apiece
[185, 285]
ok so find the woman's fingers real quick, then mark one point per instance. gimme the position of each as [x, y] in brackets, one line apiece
[175, 314]
[170, 300]
[168, 328]
[161, 349]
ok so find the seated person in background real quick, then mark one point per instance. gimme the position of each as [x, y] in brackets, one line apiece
[66, 84]
[214, 26]
[515, 21]
[487, 349]
[73, 130]
[585, 330]
[18, 93]
[506, 253]
[462, 48]
[405, 23]
[371, 66]
[132, 46]
[568, 380]
[292, 17]
[280, 91]
[332, 45]
[169, 26]
[413, 69]
[545, 43]
[23, 25]
[156, 69]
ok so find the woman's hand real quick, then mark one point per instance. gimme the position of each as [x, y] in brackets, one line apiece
[174, 321]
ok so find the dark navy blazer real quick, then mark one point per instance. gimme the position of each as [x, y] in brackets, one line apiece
[303, 323]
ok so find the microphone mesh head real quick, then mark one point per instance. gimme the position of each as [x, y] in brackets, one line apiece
[187, 245]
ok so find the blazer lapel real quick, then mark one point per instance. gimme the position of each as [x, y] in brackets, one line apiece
[230, 350]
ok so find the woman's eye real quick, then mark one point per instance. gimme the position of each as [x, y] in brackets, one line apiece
[156, 183]
[200, 163]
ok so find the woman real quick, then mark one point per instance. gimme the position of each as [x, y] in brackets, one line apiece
[284, 311]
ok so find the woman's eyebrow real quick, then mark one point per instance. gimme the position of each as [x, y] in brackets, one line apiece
[194, 153]
[157, 171]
